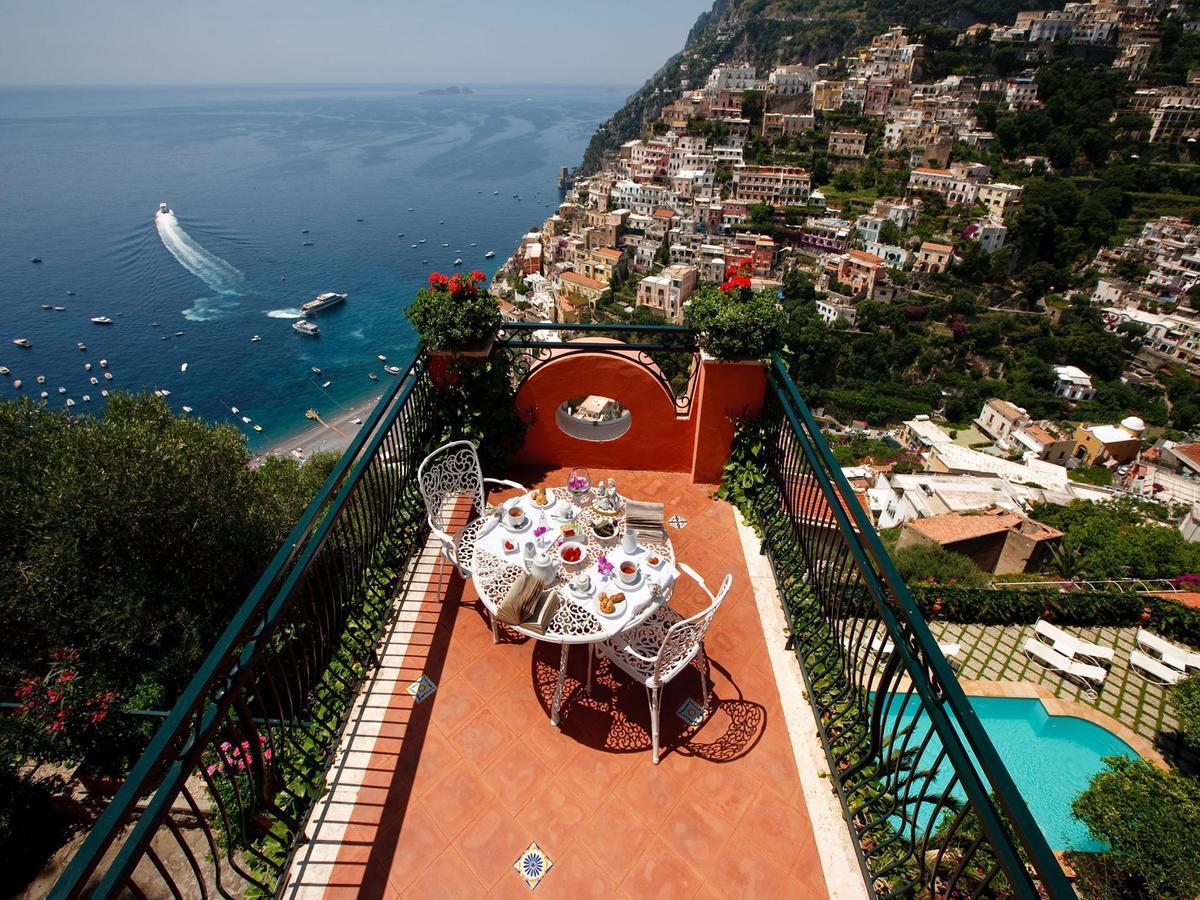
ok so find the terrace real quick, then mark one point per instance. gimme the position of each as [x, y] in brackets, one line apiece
[403, 753]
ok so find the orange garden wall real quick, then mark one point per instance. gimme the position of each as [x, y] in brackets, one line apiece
[657, 439]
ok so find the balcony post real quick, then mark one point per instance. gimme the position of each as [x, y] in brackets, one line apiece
[728, 390]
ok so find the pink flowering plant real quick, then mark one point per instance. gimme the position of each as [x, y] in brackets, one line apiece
[63, 712]
[604, 567]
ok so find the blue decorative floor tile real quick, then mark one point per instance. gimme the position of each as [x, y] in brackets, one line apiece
[677, 522]
[532, 865]
[691, 712]
[421, 688]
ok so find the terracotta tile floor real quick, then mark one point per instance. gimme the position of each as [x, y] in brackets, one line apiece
[458, 785]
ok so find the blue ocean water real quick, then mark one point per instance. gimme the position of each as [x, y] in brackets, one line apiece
[1051, 759]
[247, 170]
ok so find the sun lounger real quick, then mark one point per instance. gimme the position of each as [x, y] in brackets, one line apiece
[1090, 676]
[1154, 668]
[1173, 655]
[1070, 646]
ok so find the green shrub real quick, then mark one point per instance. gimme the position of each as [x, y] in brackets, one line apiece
[931, 563]
[1185, 697]
[1150, 820]
[737, 323]
[453, 314]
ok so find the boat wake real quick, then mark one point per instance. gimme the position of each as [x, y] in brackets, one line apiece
[219, 276]
[284, 313]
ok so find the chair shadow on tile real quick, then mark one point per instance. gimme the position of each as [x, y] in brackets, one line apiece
[615, 716]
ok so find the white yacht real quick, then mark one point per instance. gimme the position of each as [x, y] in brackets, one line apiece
[489, 254]
[101, 320]
[321, 302]
[305, 327]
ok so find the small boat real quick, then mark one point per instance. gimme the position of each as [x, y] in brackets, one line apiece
[401, 234]
[41, 379]
[327, 384]
[392, 370]
[283, 278]
[164, 393]
[307, 244]
[87, 398]
[87, 367]
[316, 371]
[257, 427]
[372, 376]
[37, 259]
[472, 243]
[304, 231]
[421, 241]
[101, 320]
[458, 262]
[489, 254]
[356, 420]
[163, 209]
[62, 390]
[108, 376]
[495, 193]
[60, 309]
[81, 345]
[414, 246]
[187, 409]
[3, 370]
[104, 393]
[255, 339]
[358, 220]
[45, 306]
[381, 358]
[70, 293]
[104, 363]
[246, 419]
[179, 334]
[23, 343]
[44, 395]
[17, 384]
[442, 222]
[183, 367]
[153, 324]
[410, 209]
[305, 327]
[94, 380]
[234, 410]
[70, 402]
[445, 245]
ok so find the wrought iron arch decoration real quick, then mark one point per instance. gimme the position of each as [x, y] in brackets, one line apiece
[529, 354]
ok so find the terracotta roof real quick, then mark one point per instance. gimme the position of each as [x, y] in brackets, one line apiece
[609, 252]
[1006, 409]
[925, 171]
[1189, 452]
[869, 258]
[951, 528]
[583, 280]
[939, 248]
[664, 212]
[1039, 433]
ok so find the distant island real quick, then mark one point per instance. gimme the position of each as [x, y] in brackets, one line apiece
[451, 91]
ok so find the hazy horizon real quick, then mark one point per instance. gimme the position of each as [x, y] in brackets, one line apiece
[72, 43]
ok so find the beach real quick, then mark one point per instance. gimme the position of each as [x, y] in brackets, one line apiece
[317, 436]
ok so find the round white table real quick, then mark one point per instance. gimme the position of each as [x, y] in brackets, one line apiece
[578, 620]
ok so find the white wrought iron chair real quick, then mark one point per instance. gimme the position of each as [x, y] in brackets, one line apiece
[444, 476]
[662, 647]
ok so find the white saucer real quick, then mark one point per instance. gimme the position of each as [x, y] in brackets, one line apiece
[516, 529]
[584, 595]
[618, 610]
[630, 586]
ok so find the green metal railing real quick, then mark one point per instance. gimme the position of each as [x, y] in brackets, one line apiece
[225, 787]
[931, 808]
[243, 755]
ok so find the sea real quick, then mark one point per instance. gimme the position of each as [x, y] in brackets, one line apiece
[277, 194]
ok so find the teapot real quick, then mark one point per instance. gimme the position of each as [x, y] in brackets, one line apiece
[543, 567]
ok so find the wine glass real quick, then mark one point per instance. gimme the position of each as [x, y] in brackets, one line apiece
[579, 482]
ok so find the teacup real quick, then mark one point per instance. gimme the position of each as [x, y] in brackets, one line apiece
[516, 516]
[627, 572]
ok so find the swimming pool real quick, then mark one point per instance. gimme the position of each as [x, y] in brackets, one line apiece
[1050, 758]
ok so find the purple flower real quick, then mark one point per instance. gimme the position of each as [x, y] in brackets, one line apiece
[540, 530]
[603, 566]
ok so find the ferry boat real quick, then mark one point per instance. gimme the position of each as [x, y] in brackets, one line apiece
[306, 327]
[321, 302]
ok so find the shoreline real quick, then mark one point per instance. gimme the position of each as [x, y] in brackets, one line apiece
[317, 437]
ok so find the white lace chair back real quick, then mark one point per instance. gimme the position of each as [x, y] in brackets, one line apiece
[446, 474]
[684, 638]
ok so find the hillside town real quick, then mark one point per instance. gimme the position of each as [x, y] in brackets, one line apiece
[714, 186]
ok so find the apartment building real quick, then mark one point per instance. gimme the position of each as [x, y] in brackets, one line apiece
[861, 271]
[774, 185]
[790, 81]
[669, 290]
[777, 125]
[734, 78]
[848, 144]
[1073, 384]
[1000, 198]
[956, 189]
[933, 257]
[999, 418]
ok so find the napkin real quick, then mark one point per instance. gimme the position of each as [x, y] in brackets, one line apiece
[645, 520]
[494, 519]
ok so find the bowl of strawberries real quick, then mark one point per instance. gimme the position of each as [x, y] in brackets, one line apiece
[572, 555]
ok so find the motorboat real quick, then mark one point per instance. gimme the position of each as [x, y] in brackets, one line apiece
[60, 309]
[87, 367]
[17, 384]
[381, 358]
[187, 409]
[234, 410]
[41, 379]
[163, 209]
[458, 262]
[183, 367]
[489, 254]
[372, 376]
[256, 427]
[36, 260]
[303, 326]
[70, 293]
[23, 343]
[101, 320]
[307, 243]
[316, 370]
[4, 370]
[356, 420]
[321, 302]
[108, 376]
[246, 419]
[81, 345]
[104, 363]
[94, 380]
[392, 370]
[255, 339]
[45, 306]
[326, 384]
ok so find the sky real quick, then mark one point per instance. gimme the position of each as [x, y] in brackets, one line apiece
[84, 42]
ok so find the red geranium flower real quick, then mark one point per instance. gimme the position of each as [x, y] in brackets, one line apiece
[476, 275]
[437, 279]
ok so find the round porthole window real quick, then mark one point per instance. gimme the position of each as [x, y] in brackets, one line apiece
[593, 418]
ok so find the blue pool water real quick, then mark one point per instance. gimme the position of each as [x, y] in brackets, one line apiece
[1050, 758]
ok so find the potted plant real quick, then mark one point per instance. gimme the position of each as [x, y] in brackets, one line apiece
[453, 315]
[734, 322]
